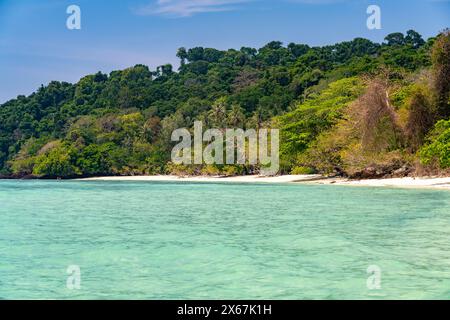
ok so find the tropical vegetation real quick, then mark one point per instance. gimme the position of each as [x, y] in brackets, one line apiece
[356, 108]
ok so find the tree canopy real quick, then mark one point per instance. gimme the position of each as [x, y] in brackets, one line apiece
[120, 123]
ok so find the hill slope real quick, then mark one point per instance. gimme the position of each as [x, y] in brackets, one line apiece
[354, 108]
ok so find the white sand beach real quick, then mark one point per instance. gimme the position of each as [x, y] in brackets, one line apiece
[240, 179]
[422, 182]
[409, 182]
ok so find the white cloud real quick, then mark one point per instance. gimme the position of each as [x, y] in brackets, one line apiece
[187, 8]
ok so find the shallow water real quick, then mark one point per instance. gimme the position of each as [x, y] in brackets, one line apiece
[145, 240]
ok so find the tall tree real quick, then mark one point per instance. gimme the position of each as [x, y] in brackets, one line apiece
[395, 39]
[414, 38]
[441, 67]
[420, 118]
[182, 55]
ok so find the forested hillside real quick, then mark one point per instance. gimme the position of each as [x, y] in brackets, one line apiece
[356, 108]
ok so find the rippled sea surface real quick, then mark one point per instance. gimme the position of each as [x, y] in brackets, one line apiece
[141, 240]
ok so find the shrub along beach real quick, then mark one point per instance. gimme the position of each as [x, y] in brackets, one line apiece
[356, 109]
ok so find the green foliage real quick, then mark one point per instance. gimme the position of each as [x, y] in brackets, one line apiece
[421, 116]
[96, 159]
[23, 167]
[303, 170]
[441, 70]
[437, 151]
[301, 127]
[121, 123]
[58, 162]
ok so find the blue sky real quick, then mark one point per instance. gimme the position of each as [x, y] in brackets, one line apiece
[36, 47]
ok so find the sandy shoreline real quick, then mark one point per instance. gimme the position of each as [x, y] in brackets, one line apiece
[415, 183]
[423, 182]
[238, 179]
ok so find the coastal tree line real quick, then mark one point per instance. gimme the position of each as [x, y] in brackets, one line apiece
[356, 108]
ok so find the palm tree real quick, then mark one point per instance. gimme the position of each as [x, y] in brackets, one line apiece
[218, 113]
[236, 116]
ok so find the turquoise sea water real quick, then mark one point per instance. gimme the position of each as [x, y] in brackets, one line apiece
[141, 240]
